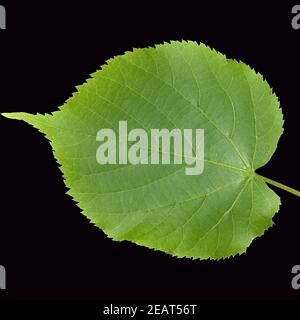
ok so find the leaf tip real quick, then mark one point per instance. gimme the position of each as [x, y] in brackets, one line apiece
[24, 116]
[13, 115]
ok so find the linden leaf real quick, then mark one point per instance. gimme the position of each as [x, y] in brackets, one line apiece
[174, 85]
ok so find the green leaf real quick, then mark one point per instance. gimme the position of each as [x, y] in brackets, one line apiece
[174, 85]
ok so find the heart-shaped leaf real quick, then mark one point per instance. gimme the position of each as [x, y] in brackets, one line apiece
[174, 85]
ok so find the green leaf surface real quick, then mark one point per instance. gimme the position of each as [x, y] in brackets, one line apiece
[173, 85]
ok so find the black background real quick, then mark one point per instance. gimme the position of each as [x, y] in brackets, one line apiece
[48, 248]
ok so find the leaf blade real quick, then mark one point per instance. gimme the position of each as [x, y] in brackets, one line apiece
[173, 85]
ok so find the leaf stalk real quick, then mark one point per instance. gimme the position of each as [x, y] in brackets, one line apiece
[280, 185]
